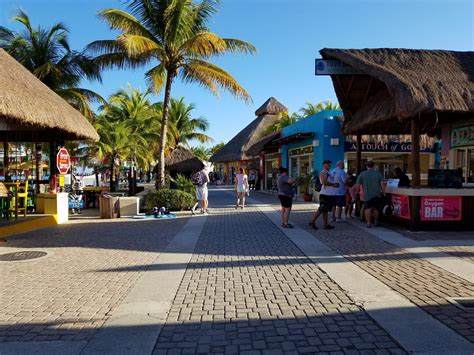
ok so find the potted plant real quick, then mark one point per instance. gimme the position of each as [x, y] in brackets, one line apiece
[304, 183]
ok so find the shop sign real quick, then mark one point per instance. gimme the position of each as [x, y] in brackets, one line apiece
[63, 161]
[447, 208]
[401, 206]
[384, 147]
[462, 136]
[334, 67]
[301, 151]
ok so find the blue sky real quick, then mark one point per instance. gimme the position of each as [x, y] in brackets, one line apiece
[288, 35]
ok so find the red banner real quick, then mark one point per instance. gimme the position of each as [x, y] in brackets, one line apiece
[401, 206]
[443, 208]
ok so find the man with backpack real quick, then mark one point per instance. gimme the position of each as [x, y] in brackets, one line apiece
[200, 180]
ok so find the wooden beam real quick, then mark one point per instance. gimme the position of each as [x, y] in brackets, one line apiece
[415, 152]
[368, 90]
[359, 153]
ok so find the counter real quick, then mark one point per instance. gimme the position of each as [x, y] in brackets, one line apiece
[433, 208]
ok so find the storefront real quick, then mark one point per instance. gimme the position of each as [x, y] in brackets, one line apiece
[388, 155]
[462, 151]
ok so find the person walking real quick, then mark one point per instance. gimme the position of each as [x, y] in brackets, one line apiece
[285, 195]
[200, 179]
[350, 195]
[241, 187]
[339, 176]
[327, 197]
[374, 191]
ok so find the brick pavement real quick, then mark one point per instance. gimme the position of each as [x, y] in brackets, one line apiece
[249, 289]
[66, 296]
[421, 282]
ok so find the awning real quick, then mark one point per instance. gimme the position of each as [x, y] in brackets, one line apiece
[293, 138]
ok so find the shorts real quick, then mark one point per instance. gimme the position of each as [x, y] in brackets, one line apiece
[241, 188]
[326, 203]
[286, 201]
[341, 200]
[201, 193]
[375, 202]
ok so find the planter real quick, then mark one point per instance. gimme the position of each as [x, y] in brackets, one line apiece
[307, 198]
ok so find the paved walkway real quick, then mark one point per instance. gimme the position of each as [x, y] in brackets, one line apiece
[137, 287]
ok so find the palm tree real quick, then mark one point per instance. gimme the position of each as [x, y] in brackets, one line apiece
[284, 120]
[172, 35]
[216, 147]
[201, 152]
[47, 54]
[183, 127]
[310, 108]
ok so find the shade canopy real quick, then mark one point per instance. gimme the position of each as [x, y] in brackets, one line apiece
[30, 111]
[393, 85]
[182, 161]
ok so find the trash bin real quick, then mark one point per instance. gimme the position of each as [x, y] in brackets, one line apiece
[109, 207]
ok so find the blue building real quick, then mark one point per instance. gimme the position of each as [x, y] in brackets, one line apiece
[310, 141]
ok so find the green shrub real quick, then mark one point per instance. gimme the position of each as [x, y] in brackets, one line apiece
[174, 200]
[184, 184]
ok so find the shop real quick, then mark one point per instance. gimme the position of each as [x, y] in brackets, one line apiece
[388, 155]
[462, 151]
[405, 91]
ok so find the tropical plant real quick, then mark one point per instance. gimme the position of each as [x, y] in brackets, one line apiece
[184, 128]
[184, 184]
[216, 148]
[46, 53]
[172, 35]
[284, 120]
[310, 108]
[304, 182]
[201, 152]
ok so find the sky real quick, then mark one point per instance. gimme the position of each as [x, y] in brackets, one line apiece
[288, 35]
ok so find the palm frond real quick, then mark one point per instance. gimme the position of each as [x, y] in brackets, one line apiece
[125, 22]
[239, 46]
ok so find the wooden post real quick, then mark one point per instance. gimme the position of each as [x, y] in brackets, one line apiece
[415, 153]
[6, 158]
[38, 155]
[359, 154]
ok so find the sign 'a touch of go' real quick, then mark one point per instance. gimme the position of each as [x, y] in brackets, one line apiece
[63, 161]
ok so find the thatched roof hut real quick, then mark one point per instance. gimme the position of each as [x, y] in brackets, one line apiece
[264, 142]
[394, 85]
[182, 161]
[237, 149]
[30, 111]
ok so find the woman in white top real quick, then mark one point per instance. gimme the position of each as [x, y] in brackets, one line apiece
[241, 186]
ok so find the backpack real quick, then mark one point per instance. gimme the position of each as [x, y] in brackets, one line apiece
[197, 179]
[317, 183]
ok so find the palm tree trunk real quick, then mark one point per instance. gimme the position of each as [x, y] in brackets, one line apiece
[96, 173]
[112, 175]
[164, 126]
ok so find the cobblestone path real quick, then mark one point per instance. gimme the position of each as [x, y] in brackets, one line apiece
[249, 289]
[70, 293]
[421, 282]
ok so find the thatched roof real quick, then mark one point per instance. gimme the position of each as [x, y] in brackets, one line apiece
[271, 107]
[434, 86]
[237, 148]
[28, 104]
[255, 149]
[183, 161]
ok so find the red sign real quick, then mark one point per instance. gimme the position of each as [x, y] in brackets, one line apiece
[401, 206]
[63, 161]
[443, 208]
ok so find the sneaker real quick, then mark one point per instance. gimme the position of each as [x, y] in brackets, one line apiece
[288, 225]
[328, 227]
[193, 212]
[205, 213]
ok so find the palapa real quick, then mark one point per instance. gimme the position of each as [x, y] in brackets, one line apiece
[434, 86]
[182, 161]
[27, 103]
[237, 149]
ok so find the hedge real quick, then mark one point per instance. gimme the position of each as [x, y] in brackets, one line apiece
[174, 200]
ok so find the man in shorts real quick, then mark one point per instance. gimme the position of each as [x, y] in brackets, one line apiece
[374, 191]
[327, 196]
[339, 176]
[202, 192]
[285, 195]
